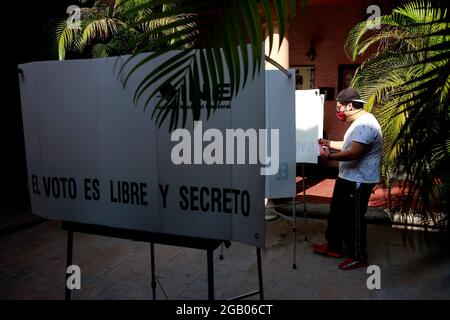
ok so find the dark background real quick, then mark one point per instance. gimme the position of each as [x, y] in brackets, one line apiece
[25, 38]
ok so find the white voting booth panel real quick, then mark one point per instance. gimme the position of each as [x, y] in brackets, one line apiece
[308, 124]
[280, 115]
[95, 158]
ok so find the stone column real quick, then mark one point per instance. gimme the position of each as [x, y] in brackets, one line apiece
[282, 55]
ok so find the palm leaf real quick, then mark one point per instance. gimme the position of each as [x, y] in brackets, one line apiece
[221, 31]
[408, 79]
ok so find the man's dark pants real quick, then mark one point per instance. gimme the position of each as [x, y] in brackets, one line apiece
[346, 220]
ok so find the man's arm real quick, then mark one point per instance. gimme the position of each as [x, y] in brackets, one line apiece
[337, 145]
[355, 152]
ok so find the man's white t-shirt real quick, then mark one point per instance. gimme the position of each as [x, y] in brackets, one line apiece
[366, 130]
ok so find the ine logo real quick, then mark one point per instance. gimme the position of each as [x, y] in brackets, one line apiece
[74, 278]
[221, 92]
[374, 280]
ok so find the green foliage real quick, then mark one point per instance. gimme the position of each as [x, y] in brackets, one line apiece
[208, 34]
[224, 33]
[109, 26]
[406, 83]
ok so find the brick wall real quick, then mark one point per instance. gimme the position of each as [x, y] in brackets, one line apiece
[328, 26]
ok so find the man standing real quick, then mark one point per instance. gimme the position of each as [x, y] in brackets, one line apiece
[359, 158]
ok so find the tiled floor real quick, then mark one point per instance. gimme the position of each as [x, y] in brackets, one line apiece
[32, 263]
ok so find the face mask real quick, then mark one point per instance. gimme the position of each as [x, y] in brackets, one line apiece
[341, 116]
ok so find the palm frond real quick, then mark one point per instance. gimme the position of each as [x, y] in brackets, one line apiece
[407, 78]
[225, 33]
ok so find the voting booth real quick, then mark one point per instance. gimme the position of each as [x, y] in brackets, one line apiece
[309, 114]
[95, 158]
[99, 164]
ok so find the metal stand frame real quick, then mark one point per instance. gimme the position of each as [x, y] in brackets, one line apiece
[293, 219]
[180, 241]
[294, 216]
[304, 202]
[68, 292]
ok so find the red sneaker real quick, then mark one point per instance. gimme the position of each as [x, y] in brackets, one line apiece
[324, 249]
[351, 264]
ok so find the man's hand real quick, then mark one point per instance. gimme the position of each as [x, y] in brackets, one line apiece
[356, 151]
[324, 142]
[324, 152]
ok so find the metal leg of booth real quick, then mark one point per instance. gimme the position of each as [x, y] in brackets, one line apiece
[152, 263]
[68, 292]
[304, 202]
[260, 277]
[294, 235]
[210, 267]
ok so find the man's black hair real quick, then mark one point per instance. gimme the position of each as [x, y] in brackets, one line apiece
[357, 105]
